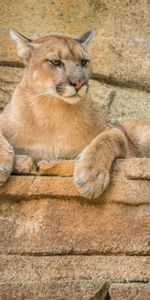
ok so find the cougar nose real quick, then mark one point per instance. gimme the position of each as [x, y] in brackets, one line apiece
[78, 84]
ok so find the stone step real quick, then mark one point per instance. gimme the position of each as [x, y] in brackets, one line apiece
[44, 214]
[61, 184]
[131, 291]
[60, 289]
[114, 268]
[74, 277]
[65, 226]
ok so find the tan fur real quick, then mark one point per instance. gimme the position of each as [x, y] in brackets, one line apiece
[50, 124]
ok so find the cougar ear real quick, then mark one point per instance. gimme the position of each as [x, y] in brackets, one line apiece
[85, 38]
[23, 45]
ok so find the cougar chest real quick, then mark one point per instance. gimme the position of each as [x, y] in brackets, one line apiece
[65, 133]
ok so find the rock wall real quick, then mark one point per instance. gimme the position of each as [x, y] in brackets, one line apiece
[58, 245]
[55, 244]
[120, 51]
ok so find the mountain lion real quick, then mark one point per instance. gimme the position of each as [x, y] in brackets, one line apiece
[52, 116]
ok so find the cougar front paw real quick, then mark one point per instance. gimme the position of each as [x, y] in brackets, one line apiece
[6, 162]
[90, 177]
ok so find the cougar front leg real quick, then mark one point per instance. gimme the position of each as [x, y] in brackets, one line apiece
[6, 159]
[92, 166]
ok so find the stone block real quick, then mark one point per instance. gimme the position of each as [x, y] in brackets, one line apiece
[9, 78]
[121, 104]
[108, 268]
[136, 291]
[68, 289]
[74, 277]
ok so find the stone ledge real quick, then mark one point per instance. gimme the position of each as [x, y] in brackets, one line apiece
[45, 214]
[71, 278]
[130, 182]
[15, 268]
[136, 291]
[50, 226]
[69, 289]
[135, 168]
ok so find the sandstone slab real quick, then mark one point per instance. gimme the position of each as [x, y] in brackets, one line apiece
[121, 61]
[68, 289]
[128, 269]
[121, 189]
[9, 78]
[129, 181]
[57, 226]
[135, 168]
[138, 168]
[136, 291]
[121, 104]
[57, 167]
[74, 277]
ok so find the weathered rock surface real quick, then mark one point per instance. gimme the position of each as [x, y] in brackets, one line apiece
[121, 104]
[110, 268]
[52, 226]
[36, 230]
[69, 289]
[136, 291]
[43, 215]
[51, 217]
[74, 277]
[9, 78]
[121, 189]
[135, 168]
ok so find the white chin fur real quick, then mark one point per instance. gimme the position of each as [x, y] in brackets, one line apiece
[82, 91]
[70, 95]
[70, 91]
[72, 100]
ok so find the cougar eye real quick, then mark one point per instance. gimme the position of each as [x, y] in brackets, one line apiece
[56, 62]
[84, 62]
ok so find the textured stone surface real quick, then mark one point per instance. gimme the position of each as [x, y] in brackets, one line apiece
[24, 165]
[135, 168]
[136, 291]
[52, 226]
[69, 289]
[57, 167]
[40, 223]
[124, 60]
[121, 103]
[73, 277]
[109, 268]
[9, 78]
[121, 189]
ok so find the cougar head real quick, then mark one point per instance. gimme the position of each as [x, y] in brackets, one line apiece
[56, 67]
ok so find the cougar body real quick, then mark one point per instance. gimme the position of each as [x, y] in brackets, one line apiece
[51, 115]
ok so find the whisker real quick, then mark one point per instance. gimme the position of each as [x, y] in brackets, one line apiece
[45, 93]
